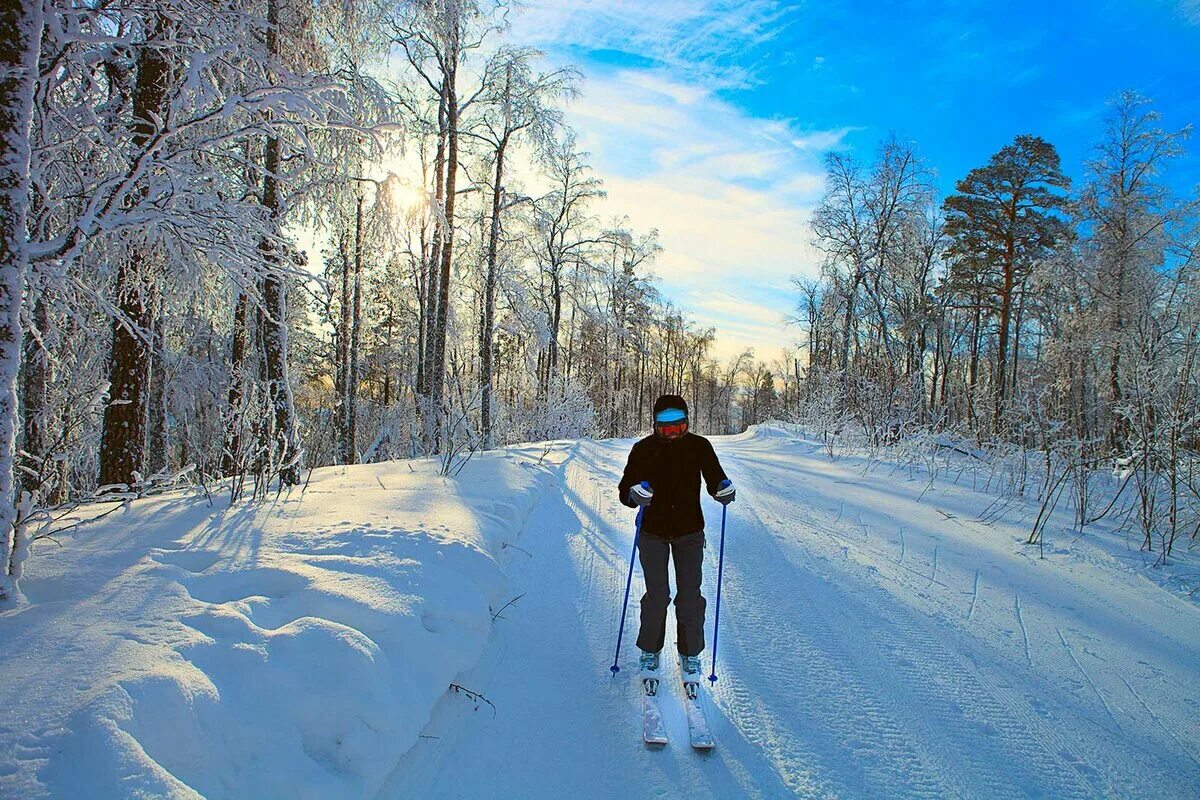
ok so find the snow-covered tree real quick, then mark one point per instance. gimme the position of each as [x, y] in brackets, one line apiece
[20, 40]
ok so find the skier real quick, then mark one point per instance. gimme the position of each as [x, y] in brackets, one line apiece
[663, 476]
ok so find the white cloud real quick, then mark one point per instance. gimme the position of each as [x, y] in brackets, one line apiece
[686, 95]
[822, 140]
[745, 324]
[715, 232]
[704, 36]
[729, 192]
[730, 195]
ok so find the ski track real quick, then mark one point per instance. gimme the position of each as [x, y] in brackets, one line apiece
[974, 597]
[1024, 630]
[843, 672]
[1086, 677]
[911, 670]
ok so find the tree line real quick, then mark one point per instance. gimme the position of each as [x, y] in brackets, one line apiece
[1020, 313]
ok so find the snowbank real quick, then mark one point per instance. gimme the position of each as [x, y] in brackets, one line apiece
[287, 649]
[943, 460]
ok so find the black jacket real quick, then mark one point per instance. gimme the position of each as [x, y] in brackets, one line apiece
[673, 470]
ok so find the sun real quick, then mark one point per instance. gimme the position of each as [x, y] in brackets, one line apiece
[403, 196]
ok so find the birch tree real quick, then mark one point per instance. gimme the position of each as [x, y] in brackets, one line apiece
[518, 103]
[20, 40]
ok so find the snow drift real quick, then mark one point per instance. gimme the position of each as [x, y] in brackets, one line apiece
[293, 648]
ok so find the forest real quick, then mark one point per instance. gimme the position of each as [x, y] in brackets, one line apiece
[1055, 327]
[240, 241]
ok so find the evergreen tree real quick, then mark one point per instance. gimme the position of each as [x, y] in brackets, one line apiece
[1006, 217]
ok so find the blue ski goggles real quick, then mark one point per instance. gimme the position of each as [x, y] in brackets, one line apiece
[669, 415]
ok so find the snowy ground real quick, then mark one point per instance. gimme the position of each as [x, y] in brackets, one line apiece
[873, 644]
[284, 650]
[870, 647]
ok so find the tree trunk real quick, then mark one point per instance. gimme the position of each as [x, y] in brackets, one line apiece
[351, 455]
[437, 376]
[998, 385]
[848, 322]
[36, 401]
[20, 41]
[937, 365]
[158, 451]
[1119, 430]
[387, 368]
[973, 363]
[429, 321]
[1016, 348]
[489, 300]
[123, 442]
[422, 281]
[231, 459]
[555, 323]
[274, 340]
[123, 446]
[343, 353]
[275, 343]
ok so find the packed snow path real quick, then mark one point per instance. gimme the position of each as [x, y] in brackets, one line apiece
[877, 641]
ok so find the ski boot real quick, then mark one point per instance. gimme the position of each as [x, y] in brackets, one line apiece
[689, 666]
[648, 663]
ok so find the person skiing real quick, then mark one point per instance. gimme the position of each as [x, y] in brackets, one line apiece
[662, 476]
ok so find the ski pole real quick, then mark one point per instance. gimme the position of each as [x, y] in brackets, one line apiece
[717, 617]
[628, 580]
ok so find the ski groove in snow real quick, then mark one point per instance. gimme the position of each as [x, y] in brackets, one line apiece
[922, 657]
[974, 595]
[1086, 677]
[1054, 761]
[814, 699]
[1024, 631]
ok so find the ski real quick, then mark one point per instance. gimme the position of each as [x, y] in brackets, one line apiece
[698, 732]
[653, 729]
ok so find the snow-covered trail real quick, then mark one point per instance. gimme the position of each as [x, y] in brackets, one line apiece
[876, 642]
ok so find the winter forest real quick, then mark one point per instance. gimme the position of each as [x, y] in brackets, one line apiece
[248, 241]
[1023, 313]
[244, 241]
[172, 328]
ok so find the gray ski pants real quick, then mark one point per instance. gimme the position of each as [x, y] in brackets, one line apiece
[688, 553]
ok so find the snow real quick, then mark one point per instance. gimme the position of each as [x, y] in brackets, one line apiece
[846, 669]
[877, 641]
[291, 649]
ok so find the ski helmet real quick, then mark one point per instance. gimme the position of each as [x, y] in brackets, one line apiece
[670, 416]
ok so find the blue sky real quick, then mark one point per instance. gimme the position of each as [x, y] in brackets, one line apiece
[708, 118]
[963, 79]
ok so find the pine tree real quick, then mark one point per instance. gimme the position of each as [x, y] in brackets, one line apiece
[1006, 217]
[126, 417]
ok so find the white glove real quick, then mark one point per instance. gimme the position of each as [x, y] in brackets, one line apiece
[641, 494]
